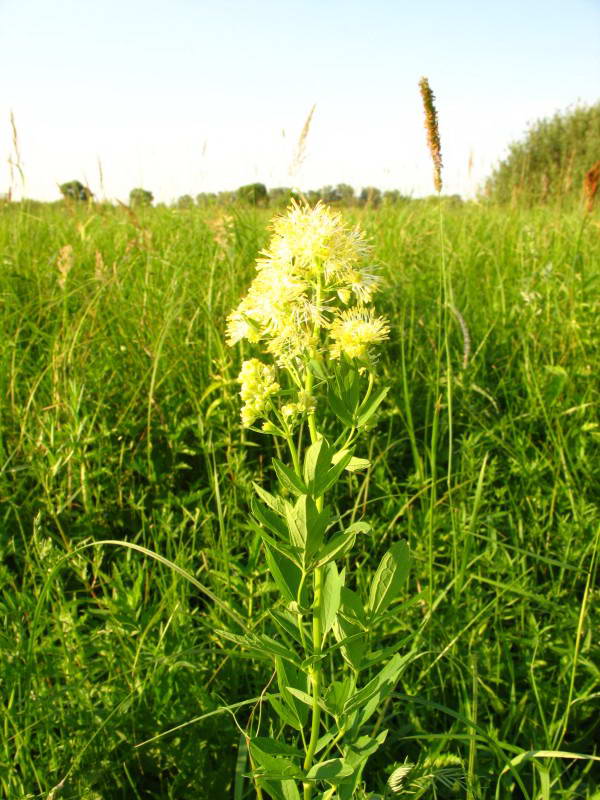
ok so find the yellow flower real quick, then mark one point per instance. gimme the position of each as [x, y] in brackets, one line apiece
[258, 384]
[312, 258]
[314, 241]
[355, 331]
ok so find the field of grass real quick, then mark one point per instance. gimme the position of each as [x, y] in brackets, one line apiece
[120, 420]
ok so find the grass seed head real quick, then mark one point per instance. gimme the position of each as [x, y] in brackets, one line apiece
[433, 132]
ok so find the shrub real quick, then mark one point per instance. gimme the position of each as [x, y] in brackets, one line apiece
[140, 197]
[550, 162]
[75, 190]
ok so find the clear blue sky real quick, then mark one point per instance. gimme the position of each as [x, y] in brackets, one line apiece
[183, 96]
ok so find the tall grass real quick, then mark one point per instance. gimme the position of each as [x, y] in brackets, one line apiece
[120, 421]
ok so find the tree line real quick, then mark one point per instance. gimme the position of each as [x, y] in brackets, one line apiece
[257, 194]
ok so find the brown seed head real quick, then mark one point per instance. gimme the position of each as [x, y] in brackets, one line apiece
[433, 133]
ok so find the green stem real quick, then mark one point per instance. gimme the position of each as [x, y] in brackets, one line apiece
[294, 454]
[368, 392]
[315, 679]
[316, 673]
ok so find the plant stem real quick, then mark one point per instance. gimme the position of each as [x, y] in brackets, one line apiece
[315, 670]
[315, 679]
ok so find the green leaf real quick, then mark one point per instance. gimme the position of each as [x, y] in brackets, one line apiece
[262, 646]
[275, 503]
[336, 695]
[290, 790]
[324, 741]
[365, 414]
[321, 485]
[284, 712]
[349, 382]
[288, 478]
[336, 547]
[272, 756]
[381, 685]
[339, 409]
[295, 517]
[307, 525]
[269, 519]
[330, 596]
[288, 623]
[303, 697]
[334, 770]
[391, 574]
[290, 680]
[291, 553]
[316, 463]
[356, 756]
[317, 369]
[285, 573]
[276, 648]
[284, 790]
[274, 747]
[353, 638]
[358, 527]
[354, 464]
[363, 747]
[352, 605]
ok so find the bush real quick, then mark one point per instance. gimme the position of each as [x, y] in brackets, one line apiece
[140, 197]
[75, 190]
[550, 163]
[253, 193]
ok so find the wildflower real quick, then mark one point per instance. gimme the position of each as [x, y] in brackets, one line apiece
[305, 405]
[315, 241]
[258, 384]
[355, 331]
[312, 257]
[362, 284]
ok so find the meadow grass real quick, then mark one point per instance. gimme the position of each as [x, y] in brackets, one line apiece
[120, 420]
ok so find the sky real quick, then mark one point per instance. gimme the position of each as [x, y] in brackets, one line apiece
[188, 96]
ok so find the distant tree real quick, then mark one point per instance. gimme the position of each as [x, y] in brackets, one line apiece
[313, 197]
[550, 162]
[345, 193]
[75, 190]
[370, 195]
[329, 194]
[185, 201]
[226, 198]
[394, 197]
[390, 197]
[253, 193]
[206, 199]
[140, 197]
[281, 196]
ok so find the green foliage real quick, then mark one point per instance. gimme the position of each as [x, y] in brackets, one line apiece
[549, 164]
[281, 197]
[75, 190]
[370, 196]
[184, 202]
[120, 421]
[140, 197]
[253, 193]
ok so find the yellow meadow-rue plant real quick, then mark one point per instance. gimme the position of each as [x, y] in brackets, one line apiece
[309, 314]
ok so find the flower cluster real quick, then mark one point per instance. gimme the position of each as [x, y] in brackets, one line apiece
[312, 261]
[308, 304]
[304, 405]
[258, 384]
[355, 331]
